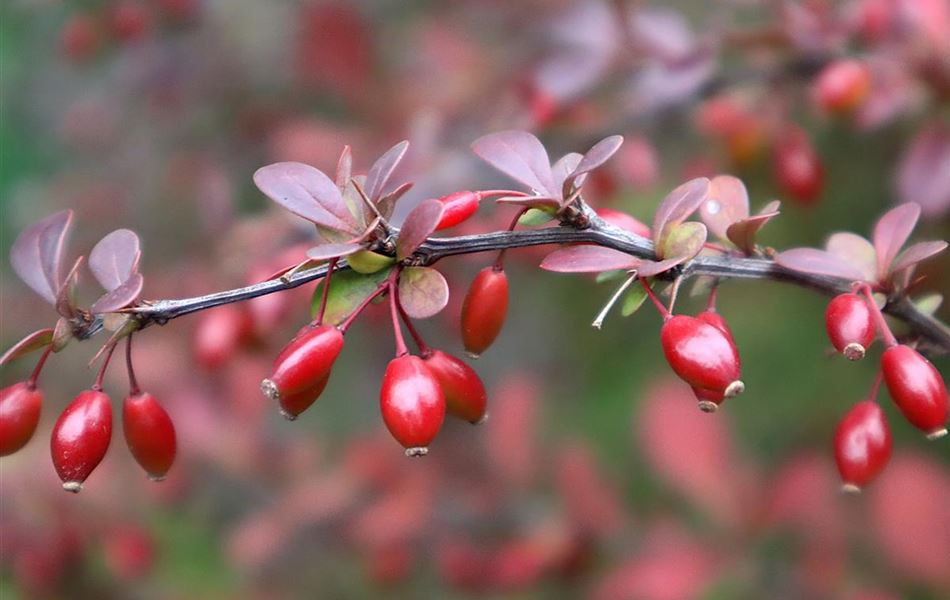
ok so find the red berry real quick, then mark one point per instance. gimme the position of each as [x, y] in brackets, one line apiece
[702, 355]
[81, 437]
[917, 389]
[20, 405]
[850, 325]
[458, 207]
[484, 310]
[798, 168]
[464, 392]
[708, 400]
[862, 445]
[218, 335]
[412, 403]
[150, 434]
[291, 405]
[303, 366]
[842, 86]
[715, 319]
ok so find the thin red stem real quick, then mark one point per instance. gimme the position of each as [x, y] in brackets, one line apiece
[31, 382]
[97, 385]
[872, 396]
[359, 309]
[713, 296]
[424, 348]
[326, 290]
[499, 263]
[482, 194]
[664, 312]
[889, 339]
[401, 349]
[134, 389]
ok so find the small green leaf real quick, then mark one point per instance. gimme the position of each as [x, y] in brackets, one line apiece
[534, 217]
[929, 304]
[347, 290]
[633, 300]
[611, 276]
[423, 292]
[684, 240]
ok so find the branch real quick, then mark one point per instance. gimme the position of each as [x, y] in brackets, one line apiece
[934, 332]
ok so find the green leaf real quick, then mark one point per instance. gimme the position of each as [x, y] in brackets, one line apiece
[347, 290]
[684, 240]
[611, 276]
[633, 300]
[534, 217]
[929, 304]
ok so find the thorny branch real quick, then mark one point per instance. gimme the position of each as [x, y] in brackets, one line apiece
[932, 331]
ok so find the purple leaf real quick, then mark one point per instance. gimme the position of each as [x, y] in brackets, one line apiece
[743, 233]
[121, 296]
[856, 251]
[818, 262]
[521, 156]
[650, 268]
[891, 233]
[662, 33]
[600, 153]
[419, 225]
[923, 174]
[683, 241]
[423, 292]
[306, 192]
[328, 251]
[678, 205]
[344, 168]
[65, 297]
[588, 259]
[115, 258]
[916, 253]
[36, 340]
[388, 202]
[563, 168]
[728, 202]
[382, 170]
[37, 254]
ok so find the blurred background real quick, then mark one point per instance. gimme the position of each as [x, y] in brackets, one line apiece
[596, 476]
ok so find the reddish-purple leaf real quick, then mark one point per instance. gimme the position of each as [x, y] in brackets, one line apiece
[856, 251]
[115, 258]
[121, 296]
[423, 292]
[344, 168]
[891, 233]
[818, 262]
[916, 253]
[66, 296]
[377, 180]
[521, 156]
[420, 223]
[306, 192]
[649, 268]
[328, 251]
[37, 254]
[563, 168]
[539, 202]
[588, 259]
[36, 340]
[678, 205]
[683, 241]
[388, 202]
[923, 174]
[600, 153]
[727, 203]
[743, 233]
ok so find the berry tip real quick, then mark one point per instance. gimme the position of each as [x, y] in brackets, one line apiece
[854, 351]
[707, 406]
[936, 435]
[734, 389]
[72, 486]
[416, 451]
[850, 488]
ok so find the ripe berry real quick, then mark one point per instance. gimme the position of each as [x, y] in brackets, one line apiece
[303, 365]
[20, 405]
[862, 445]
[412, 403]
[81, 437]
[291, 405]
[464, 392]
[484, 310]
[850, 325]
[708, 400]
[842, 86]
[459, 206]
[917, 389]
[150, 434]
[702, 355]
[711, 317]
[798, 169]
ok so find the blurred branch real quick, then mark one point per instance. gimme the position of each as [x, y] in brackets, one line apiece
[934, 332]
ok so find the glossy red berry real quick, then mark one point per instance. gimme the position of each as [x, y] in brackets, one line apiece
[484, 310]
[302, 366]
[702, 355]
[81, 437]
[20, 406]
[150, 434]
[917, 389]
[715, 319]
[842, 86]
[412, 403]
[798, 169]
[850, 325]
[708, 400]
[291, 405]
[464, 392]
[457, 208]
[862, 445]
